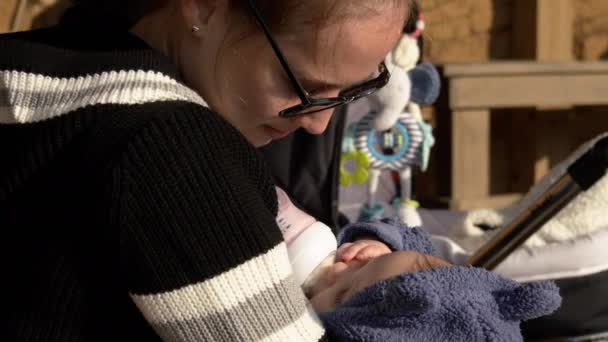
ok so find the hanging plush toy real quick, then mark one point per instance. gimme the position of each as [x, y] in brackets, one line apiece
[393, 136]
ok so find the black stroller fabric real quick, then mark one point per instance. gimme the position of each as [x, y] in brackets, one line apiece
[307, 167]
[584, 311]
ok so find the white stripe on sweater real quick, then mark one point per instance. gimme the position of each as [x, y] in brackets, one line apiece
[31, 97]
[222, 293]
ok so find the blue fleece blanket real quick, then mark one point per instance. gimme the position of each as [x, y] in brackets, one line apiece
[443, 304]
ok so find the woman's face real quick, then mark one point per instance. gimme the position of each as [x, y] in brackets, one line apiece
[238, 74]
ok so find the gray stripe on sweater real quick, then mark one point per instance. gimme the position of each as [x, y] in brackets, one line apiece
[283, 305]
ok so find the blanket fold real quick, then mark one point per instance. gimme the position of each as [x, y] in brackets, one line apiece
[443, 304]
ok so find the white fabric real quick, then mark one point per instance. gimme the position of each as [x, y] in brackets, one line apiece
[577, 257]
[31, 97]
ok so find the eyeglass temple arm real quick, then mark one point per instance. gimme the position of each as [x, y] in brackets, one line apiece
[302, 94]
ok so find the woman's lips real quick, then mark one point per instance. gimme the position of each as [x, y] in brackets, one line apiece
[274, 133]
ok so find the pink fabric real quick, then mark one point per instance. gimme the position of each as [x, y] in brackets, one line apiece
[291, 220]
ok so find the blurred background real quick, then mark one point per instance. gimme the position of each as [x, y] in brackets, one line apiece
[493, 142]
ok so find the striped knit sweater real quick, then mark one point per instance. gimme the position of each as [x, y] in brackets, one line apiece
[130, 211]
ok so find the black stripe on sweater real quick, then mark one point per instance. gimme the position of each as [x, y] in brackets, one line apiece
[66, 52]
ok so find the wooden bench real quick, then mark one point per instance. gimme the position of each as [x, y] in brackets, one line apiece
[473, 90]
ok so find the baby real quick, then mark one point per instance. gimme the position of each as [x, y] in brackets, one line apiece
[313, 251]
[366, 292]
[339, 282]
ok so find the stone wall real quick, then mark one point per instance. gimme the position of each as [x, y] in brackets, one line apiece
[591, 29]
[480, 30]
[467, 30]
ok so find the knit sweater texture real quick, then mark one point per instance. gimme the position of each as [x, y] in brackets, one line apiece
[131, 211]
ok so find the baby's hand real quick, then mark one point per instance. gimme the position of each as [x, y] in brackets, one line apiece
[361, 250]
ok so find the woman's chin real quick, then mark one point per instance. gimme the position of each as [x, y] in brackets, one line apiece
[261, 143]
[258, 140]
[264, 136]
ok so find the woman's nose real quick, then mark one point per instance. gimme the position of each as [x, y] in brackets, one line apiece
[315, 123]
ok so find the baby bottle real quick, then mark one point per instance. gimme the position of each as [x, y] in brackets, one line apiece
[309, 241]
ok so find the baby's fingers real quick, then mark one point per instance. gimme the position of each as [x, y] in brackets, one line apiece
[348, 251]
[372, 251]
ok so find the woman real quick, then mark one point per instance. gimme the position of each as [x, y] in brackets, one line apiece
[135, 201]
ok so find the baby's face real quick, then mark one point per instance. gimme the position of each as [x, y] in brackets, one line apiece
[342, 280]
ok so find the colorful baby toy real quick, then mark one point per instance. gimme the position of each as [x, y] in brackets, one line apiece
[393, 136]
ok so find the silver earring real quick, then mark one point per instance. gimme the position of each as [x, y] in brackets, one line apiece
[195, 29]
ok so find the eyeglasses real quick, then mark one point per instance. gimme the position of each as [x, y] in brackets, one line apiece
[309, 104]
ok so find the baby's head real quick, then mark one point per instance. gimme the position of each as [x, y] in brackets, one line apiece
[339, 281]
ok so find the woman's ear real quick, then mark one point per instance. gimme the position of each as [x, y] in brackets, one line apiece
[197, 13]
[189, 10]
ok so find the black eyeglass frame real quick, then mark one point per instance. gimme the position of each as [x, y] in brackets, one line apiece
[308, 103]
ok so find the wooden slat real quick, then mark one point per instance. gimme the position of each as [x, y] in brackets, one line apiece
[489, 202]
[528, 91]
[7, 12]
[543, 30]
[470, 154]
[519, 68]
[555, 30]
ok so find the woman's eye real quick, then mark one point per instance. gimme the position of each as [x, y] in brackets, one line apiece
[315, 93]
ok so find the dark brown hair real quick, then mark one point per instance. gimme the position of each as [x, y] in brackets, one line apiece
[125, 13]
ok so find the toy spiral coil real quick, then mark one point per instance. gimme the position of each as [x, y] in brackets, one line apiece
[394, 149]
